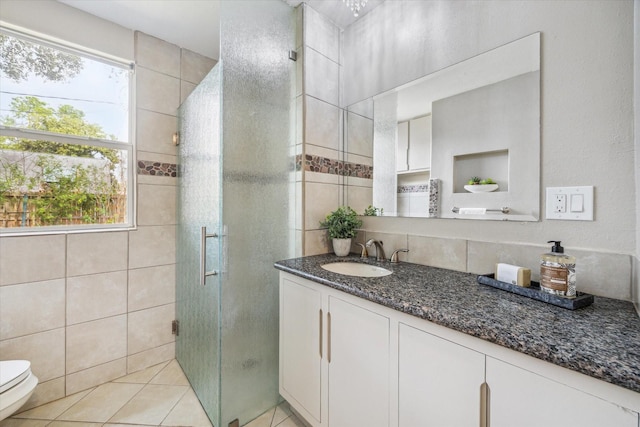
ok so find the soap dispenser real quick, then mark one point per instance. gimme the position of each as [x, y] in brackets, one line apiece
[558, 272]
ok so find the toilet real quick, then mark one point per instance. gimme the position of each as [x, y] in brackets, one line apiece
[16, 385]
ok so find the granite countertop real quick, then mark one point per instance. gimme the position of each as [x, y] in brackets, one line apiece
[601, 340]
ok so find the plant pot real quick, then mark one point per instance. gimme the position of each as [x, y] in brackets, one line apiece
[341, 247]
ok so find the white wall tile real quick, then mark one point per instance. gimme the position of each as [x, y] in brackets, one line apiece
[93, 343]
[96, 296]
[31, 258]
[359, 198]
[321, 34]
[157, 54]
[322, 124]
[390, 243]
[195, 66]
[97, 375]
[320, 200]
[321, 77]
[157, 92]
[151, 287]
[45, 392]
[438, 252]
[152, 246]
[45, 351]
[154, 132]
[156, 204]
[28, 308]
[483, 256]
[359, 135]
[316, 242]
[144, 359]
[90, 253]
[150, 328]
[185, 90]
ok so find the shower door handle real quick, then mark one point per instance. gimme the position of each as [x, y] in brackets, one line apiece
[203, 256]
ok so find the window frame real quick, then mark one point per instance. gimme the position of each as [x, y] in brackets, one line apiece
[129, 147]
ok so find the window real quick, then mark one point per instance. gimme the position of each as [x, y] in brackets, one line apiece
[66, 157]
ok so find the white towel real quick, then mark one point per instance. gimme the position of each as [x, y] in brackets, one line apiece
[472, 211]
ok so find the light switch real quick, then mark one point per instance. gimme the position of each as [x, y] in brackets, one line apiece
[577, 200]
[577, 203]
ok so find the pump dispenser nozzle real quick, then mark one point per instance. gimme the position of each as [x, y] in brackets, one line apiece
[556, 246]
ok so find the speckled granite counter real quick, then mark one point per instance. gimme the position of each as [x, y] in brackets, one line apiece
[602, 340]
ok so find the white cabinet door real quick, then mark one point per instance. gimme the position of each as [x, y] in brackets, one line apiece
[420, 143]
[402, 147]
[301, 347]
[522, 398]
[439, 381]
[358, 357]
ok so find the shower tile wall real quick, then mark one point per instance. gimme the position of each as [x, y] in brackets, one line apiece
[86, 308]
[326, 164]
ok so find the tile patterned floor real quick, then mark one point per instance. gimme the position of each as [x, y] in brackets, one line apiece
[157, 396]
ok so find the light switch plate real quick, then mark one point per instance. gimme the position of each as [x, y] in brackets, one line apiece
[569, 203]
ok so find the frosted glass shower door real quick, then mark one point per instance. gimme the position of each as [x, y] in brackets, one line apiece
[198, 206]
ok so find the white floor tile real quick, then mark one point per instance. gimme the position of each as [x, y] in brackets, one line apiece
[151, 405]
[102, 403]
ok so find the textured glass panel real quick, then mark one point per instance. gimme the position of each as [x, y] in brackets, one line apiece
[197, 306]
[257, 80]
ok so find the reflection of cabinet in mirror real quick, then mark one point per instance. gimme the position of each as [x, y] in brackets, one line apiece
[413, 157]
[413, 152]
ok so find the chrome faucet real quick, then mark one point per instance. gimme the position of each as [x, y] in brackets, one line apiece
[379, 250]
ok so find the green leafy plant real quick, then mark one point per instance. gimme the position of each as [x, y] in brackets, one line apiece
[477, 181]
[373, 211]
[342, 223]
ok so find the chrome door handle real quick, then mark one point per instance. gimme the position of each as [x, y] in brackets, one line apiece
[203, 256]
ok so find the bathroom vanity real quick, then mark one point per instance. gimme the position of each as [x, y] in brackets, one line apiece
[427, 346]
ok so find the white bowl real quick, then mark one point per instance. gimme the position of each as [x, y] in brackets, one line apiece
[483, 188]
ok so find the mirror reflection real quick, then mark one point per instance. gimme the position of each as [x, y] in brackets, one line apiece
[463, 142]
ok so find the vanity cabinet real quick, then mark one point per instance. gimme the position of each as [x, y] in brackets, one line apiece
[533, 400]
[301, 347]
[346, 361]
[358, 365]
[440, 383]
[334, 357]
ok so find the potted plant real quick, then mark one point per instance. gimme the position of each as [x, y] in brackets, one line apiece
[342, 225]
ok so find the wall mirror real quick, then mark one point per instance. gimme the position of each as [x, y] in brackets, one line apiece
[431, 137]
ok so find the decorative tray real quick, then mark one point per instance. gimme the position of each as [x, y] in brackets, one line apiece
[581, 300]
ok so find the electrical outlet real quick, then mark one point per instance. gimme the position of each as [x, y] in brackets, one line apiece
[570, 203]
[560, 203]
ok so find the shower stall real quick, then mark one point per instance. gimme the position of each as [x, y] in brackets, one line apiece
[235, 166]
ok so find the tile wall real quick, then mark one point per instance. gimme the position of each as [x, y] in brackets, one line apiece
[331, 174]
[86, 308]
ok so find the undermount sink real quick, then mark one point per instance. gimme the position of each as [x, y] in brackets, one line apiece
[356, 269]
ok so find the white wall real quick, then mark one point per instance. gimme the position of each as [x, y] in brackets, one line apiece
[586, 90]
[71, 25]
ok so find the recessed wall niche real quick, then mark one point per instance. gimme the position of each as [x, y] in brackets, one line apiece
[491, 164]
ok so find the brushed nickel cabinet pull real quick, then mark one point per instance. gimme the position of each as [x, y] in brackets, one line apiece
[484, 405]
[329, 337]
[320, 336]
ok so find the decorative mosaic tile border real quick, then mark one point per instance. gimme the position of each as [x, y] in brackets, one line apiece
[434, 198]
[332, 166]
[147, 167]
[420, 188]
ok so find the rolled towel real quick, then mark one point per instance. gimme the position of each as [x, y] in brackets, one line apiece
[472, 211]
